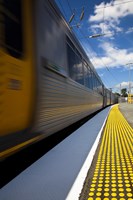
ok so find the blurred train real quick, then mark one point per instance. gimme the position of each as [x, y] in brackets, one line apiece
[47, 82]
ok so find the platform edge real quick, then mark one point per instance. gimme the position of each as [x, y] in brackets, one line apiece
[77, 186]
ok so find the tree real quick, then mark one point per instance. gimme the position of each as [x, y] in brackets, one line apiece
[124, 92]
[116, 93]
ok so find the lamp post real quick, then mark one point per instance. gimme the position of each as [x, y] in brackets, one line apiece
[129, 77]
[120, 89]
[129, 93]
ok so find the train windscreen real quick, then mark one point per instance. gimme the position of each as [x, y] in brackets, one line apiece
[12, 27]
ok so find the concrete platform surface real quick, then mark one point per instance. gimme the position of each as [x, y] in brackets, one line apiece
[127, 111]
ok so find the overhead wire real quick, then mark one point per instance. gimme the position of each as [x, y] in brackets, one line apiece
[103, 19]
[115, 4]
[91, 47]
[62, 9]
[101, 7]
[69, 6]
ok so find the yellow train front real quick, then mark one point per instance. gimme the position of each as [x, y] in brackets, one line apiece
[46, 80]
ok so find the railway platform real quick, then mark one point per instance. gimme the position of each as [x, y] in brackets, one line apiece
[94, 163]
[111, 174]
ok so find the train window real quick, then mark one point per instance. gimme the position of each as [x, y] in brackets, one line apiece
[75, 65]
[13, 27]
[98, 86]
[72, 62]
[85, 75]
[91, 79]
[88, 77]
[80, 74]
[95, 82]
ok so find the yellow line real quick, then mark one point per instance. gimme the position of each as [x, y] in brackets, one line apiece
[113, 174]
[12, 150]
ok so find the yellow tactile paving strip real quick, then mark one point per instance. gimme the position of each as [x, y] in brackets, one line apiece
[113, 174]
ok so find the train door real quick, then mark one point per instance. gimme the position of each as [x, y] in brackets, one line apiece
[16, 66]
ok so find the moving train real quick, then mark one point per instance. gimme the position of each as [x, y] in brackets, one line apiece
[47, 82]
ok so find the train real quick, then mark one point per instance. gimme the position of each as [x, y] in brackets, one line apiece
[47, 81]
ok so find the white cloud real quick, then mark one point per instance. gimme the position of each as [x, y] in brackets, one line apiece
[107, 17]
[101, 75]
[101, 62]
[129, 30]
[111, 11]
[102, 28]
[122, 85]
[113, 57]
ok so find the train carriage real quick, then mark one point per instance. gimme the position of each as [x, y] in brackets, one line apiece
[47, 80]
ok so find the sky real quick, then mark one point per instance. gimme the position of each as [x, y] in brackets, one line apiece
[112, 52]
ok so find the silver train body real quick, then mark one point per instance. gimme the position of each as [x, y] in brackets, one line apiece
[69, 87]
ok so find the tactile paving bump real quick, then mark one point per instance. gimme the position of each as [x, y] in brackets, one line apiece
[113, 174]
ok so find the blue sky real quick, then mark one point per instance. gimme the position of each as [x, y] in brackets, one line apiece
[112, 53]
